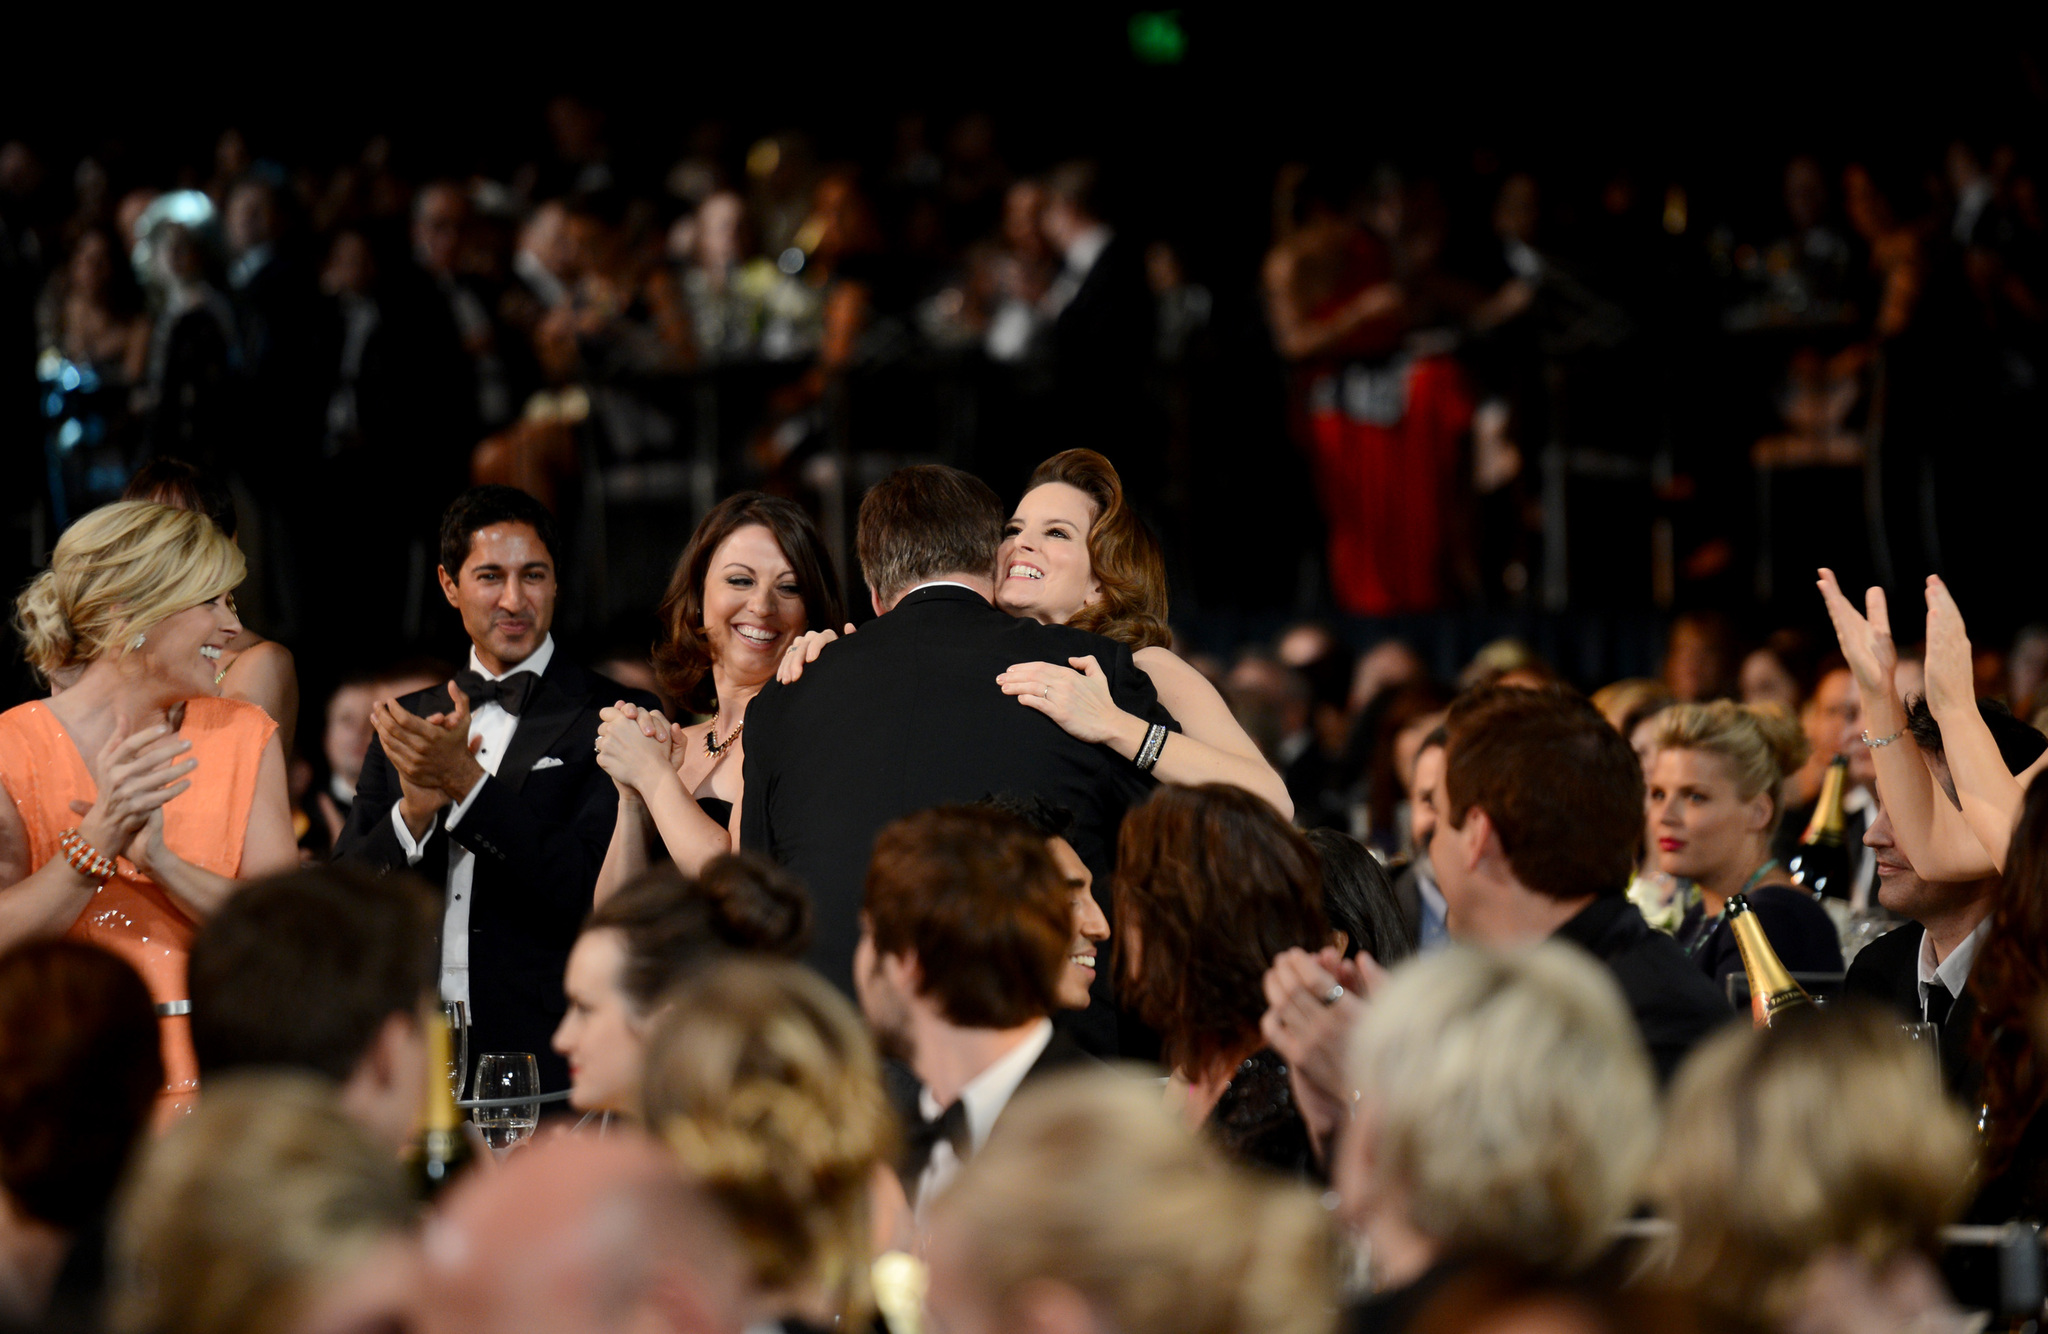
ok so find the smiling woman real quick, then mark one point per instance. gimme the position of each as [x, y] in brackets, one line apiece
[752, 580]
[138, 796]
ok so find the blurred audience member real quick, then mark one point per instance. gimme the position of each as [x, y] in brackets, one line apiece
[1627, 705]
[1274, 704]
[582, 1233]
[966, 942]
[1792, 1216]
[327, 970]
[1780, 672]
[78, 1041]
[1358, 899]
[1504, 1109]
[1211, 884]
[766, 1088]
[1832, 722]
[346, 733]
[1416, 890]
[1713, 795]
[2009, 979]
[643, 940]
[268, 1208]
[1090, 1209]
[1700, 659]
[1384, 744]
[1506, 662]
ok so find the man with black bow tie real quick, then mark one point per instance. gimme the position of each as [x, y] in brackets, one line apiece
[489, 784]
[965, 936]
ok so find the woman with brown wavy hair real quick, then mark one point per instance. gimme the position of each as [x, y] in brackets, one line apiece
[1211, 886]
[1076, 553]
[752, 581]
[2010, 1034]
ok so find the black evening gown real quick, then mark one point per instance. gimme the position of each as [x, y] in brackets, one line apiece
[1257, 1123]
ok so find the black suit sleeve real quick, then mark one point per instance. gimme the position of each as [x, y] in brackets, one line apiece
[546, 862]
[757, 832]
[368, 836]
[1133, 690]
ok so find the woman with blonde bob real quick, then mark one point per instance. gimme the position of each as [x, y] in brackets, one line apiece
[1505, 1109]
[1091, 1210]
[1791, 1214]
[139, 796]
[763, 1081]
[1713, 805]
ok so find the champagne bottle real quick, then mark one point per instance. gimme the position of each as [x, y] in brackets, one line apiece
[1771, 988]
[443, 1149]
[1821, 866]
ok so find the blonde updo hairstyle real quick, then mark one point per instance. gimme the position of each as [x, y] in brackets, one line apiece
[119, 570]
[1089, 1182]
[764, 1083]
[1761, 742]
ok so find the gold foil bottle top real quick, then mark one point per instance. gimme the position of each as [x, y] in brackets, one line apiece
[1771, 988]
[1825, 829]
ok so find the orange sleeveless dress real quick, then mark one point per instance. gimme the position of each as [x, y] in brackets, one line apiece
[131, 916]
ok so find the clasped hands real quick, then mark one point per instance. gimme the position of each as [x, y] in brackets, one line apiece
[435, 756]
[136, 774]
[637, 747]
[1313, 1002]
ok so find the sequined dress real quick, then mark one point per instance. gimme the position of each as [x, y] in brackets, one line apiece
[43, 773]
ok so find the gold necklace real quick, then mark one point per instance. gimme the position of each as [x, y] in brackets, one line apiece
[714, 747]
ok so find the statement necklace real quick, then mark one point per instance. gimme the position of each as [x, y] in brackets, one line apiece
[714, 747]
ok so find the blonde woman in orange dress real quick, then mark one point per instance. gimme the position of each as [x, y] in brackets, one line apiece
[138, 797]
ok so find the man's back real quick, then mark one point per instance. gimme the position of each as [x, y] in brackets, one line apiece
[906, 715]
[1674, 1003]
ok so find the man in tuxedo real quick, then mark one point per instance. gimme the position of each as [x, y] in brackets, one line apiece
[964, 941]
[1920, 968]
[489, 785]
[907, 715]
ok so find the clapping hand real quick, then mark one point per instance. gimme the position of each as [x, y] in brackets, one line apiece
[1076, 697]
[136, 775]
[1313, 1001]
[1866, 637]
[435, 757]
[803, 652]
[1951, 671]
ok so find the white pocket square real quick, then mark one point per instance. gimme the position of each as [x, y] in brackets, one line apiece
[547, 762]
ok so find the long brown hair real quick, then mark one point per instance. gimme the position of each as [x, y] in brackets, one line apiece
[682, 657]
[1213, 884]
[2010, 978]
[1122, 551]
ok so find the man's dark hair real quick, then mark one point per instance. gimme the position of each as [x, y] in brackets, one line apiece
[1562, 788]
[483, 506]
[302, 969]
[925, 521]
[740, 903]
[2019, 744]
[1048, 818]
[975, 895]
[1358, 897]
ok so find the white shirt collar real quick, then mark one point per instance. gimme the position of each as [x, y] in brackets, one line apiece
[989, 1092]
[1085, 249]
[1953, 971]
[941, 583]
[536, 662]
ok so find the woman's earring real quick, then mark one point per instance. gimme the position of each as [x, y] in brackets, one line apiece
[137, 642]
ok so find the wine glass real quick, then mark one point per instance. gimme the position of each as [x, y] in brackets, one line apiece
[1927, 1037]
[502, 1075]
[458, 1044]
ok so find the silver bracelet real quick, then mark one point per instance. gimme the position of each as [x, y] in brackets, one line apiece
[1875, 741]
[1148, 754]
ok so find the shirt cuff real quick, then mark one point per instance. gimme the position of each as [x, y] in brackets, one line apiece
[414, 848]
[461, 808]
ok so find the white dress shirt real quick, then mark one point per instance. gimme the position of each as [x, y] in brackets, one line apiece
[1075, 266]
[985, 1096]
[495, 726]
[1953, 971]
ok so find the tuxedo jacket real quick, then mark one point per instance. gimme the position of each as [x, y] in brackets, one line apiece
[906, 715]
[539, 829]
[1887, 970]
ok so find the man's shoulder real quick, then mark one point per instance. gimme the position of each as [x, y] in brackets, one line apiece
[1652, 970]
[1886, 963]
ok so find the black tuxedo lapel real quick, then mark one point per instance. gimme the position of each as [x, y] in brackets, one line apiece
[1062, 1053]
[548, 714]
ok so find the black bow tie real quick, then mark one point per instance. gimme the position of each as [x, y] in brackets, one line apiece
[950, 1126]
[509, 693]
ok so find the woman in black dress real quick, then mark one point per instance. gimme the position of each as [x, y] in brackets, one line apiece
[753, 579]
[1211, 885]
[1713, 803]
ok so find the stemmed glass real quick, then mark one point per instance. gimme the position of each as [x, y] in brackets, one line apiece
[501, 1075]
[458, 1045]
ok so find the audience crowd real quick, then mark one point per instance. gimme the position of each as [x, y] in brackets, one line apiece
[921, 935]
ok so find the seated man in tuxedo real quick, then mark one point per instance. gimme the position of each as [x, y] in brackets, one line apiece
[489, 786]
[964, 942]
[906, 714]
[1920, 968]
[326, 969]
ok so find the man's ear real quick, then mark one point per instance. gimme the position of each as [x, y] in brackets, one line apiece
[902, 971]
[448, 585]
[875, 601]
[1481, 839]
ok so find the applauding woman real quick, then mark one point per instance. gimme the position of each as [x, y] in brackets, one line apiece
[1075, 553]
[137, 797]
[753, 579]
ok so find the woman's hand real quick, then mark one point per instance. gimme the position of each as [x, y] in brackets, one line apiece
[1866, 638]
[804, 652]
[136, 776]
[1951, 672]
[1075, 697]
[633, 747]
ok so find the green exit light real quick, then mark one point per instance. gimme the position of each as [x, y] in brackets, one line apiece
[1157, 37]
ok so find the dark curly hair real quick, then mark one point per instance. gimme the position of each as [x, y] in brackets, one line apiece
[1212, 884]
[739, 904]
[682, 657]
[1121, 551]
